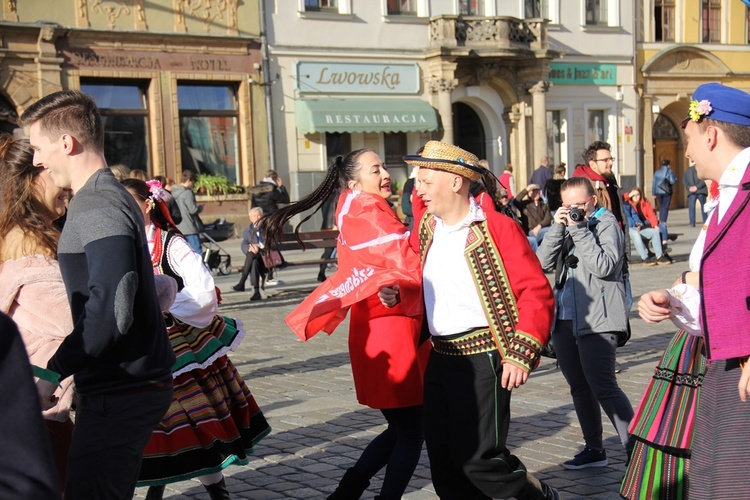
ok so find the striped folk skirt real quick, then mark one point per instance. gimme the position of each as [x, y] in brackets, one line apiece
[213, 421]
[663, 423]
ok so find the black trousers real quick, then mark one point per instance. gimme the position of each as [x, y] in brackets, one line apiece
[110, 434]
[467, 414]
[254, 268]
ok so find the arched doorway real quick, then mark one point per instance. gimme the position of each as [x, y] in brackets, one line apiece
[667, 147]
[8, 116]
[468, 131]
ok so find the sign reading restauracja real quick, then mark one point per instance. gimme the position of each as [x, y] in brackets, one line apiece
[356, 78]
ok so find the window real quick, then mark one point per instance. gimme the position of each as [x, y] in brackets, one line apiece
[321, 5]
[208, 129]
[664, 26]
[596, 12]
[395, 149]
[125, 119]
[555, 136]
[711, 20]
[408, 7]
[536, 9]
[338, 144]
[470, 7]
[597, 126]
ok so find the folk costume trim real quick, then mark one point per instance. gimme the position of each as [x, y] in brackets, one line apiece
[160, 255]
[494, 291]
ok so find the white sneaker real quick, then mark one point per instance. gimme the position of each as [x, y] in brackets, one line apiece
[273, 282]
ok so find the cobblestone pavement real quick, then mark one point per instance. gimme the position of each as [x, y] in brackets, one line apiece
[305, 390]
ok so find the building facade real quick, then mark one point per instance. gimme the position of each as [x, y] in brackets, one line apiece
[391, 75]
[173, 80]
[682, 44]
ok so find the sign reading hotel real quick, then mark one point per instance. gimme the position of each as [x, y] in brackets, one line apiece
[583, 74]
[355, 78]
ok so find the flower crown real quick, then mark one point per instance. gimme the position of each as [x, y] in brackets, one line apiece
[156, 190]
[698, 110]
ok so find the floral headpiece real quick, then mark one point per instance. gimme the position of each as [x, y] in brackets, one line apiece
[156, 190]
[699, 110]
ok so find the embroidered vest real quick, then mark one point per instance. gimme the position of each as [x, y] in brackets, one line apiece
[493, 289]
[160, 256]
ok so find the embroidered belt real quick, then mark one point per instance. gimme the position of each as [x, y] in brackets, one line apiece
[464, 344]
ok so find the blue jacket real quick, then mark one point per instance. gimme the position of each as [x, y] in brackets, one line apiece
[660, 175]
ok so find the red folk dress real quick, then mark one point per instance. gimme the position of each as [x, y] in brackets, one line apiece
[373, 251]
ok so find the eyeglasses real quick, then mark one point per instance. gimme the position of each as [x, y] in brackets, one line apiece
[605, 159]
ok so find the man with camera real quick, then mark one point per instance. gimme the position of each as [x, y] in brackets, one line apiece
[585, 248]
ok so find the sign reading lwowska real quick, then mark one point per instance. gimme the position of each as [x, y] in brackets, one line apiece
[355, 78]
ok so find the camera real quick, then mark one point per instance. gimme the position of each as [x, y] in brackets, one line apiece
[576, 214]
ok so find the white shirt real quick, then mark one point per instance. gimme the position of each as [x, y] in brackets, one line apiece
[450, 291]
[196, 304]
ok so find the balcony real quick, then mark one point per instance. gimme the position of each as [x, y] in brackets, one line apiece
[463, 34]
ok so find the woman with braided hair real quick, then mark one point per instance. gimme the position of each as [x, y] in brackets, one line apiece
[213, 421]
[387, 358]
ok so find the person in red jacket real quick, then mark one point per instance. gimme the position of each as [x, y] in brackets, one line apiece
[644, 225]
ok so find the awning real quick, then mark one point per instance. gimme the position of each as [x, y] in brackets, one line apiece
[365, 115]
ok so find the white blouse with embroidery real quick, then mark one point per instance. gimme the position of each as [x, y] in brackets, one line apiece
[196, 304]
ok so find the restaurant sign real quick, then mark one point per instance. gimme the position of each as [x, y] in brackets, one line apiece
[583, 74]
[355, 78]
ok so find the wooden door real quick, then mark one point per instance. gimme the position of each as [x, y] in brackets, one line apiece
[667, 149]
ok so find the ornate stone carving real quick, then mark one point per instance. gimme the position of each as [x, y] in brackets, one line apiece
[208, 11]
[442, 85]
[113, 12]
[688, 61]
[47, 33]
[541, 86]
[82, 14]
[11, 10]
[449, 31]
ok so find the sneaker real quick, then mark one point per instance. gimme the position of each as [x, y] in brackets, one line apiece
[549, 492]
[587, 458]
[649, 261]
[274, 282]
[663, 260]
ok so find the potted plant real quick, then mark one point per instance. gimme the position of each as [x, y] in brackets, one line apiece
[212, 185]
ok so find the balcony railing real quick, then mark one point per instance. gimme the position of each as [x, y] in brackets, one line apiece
[479, 32]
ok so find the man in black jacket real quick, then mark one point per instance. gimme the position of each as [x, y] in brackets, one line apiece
[696, 191]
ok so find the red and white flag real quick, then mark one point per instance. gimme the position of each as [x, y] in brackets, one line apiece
[373, 252]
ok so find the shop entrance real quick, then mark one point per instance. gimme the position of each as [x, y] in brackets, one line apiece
[667, 147]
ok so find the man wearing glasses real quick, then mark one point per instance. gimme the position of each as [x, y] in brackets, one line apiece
[598, 168]
[585, 248]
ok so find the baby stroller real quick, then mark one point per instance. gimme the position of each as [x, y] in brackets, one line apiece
[215, 257]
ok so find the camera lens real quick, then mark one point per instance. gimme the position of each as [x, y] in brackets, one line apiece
[576, 214]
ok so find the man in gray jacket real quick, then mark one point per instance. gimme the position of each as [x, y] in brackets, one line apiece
[585, 247]
[191, 225]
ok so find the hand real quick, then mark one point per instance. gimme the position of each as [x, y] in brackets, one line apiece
[513, 376]
[46, 392]
[536, 230]
[693, 189]
[654, 306]
[561, 216]
[638, 226]
[744, 385]
[389, 296]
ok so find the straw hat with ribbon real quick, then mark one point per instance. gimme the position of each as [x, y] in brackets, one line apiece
[448, 158]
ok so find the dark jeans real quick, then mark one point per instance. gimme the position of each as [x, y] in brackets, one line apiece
[467, 414]
[664, 201]
[326, 255]
[110, 434]
[254, 268]
[588, 365]
[692, 198]
[397, 449]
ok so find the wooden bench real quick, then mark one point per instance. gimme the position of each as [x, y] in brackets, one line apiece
[312, 240]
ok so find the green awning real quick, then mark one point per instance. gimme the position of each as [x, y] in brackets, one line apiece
[365, 115]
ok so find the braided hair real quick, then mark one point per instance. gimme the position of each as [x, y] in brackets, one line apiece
[341, 171]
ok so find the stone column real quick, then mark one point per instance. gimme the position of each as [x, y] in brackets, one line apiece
[539, 118]
[443, 88]
[648, 145]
